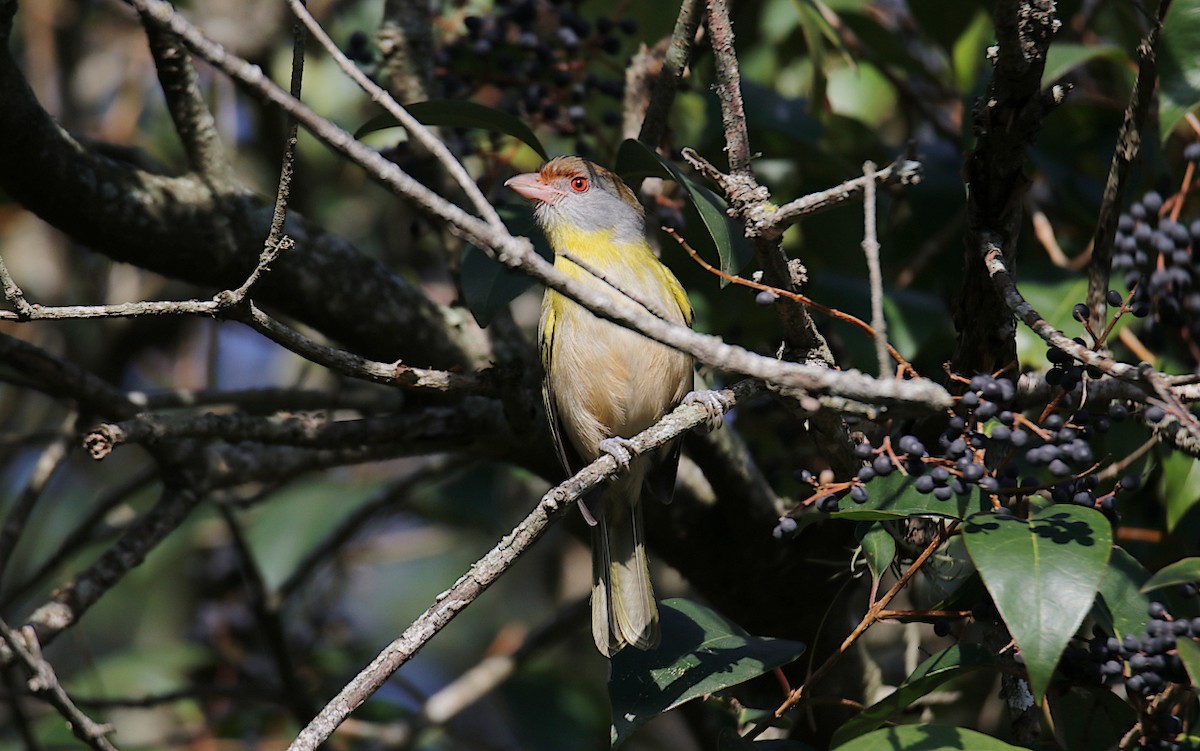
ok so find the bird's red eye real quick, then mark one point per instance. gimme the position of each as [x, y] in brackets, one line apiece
[579, 184]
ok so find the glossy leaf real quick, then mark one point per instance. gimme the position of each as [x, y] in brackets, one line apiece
[878, 546]
[1062, 58]
[451, 113]
[1180, 572]
[1089, 718]
[1180, 486]
[1178, 64]
[487, 286]
[700, 652]
[1189, 654]
[945, 665]
[1121, 607]
[1043, 574]
[894, 497]
[926, 738]
[635, 159]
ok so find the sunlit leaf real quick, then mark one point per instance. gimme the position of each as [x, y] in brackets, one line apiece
[1189, 654]
[700, 652]
[1180, 572]
[1180, 486]
[894, 497]
[453, 113]
[1043, 574]
[1178, 64]
[879, 548]
[929, 675]
[1063, 57]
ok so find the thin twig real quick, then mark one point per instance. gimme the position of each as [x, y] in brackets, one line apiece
[873, 614]
[553, 506]
[674, 64]
[903, 171]
[418, 131]
[870, 246]
[729, 89]
[44, 684]
[1129, 141]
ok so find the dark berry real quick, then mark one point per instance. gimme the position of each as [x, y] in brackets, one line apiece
[1113, 298]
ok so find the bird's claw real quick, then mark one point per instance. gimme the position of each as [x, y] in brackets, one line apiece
[715, 404]
[620, 449]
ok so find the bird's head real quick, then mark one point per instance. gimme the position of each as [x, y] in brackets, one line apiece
[573, 194]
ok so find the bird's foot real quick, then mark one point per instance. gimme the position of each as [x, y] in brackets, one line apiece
[715, 403]
[619, 448]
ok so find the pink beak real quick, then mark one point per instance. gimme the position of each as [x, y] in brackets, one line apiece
[530, 185]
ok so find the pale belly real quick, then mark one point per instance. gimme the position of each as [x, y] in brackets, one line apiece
[611, 381]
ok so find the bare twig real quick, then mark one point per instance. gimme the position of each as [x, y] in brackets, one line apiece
[553, 505]
[873, 614]
[674, 65]
[380, 96]
[519, 254]
[44, 683]
[729, 92]
[870, 246]
[1129, 141]
[769, 219]
[14, 294]
[189, 112]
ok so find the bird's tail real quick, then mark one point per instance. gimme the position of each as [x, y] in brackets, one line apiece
[623, 607]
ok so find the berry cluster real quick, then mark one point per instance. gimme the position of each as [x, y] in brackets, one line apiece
[1147, 664]
[1154, 255]
[537, 54]
[989, 447]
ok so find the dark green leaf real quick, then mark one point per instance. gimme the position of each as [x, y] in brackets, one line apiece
[945, 22]
[894, 497]
[635, 160]
[487, 286]
[1180, 572]
[729, 740]
[878, 546]
[1189, 653]
[1065, 57]
[1043, 574]
[700, 653]
[1180, 486]
[950, 663]
[1089, 718]
[1178, 65]
[926, 738]
[1121, 607]
[451, 113]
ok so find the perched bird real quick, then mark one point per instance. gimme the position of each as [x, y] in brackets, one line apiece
[604, 383]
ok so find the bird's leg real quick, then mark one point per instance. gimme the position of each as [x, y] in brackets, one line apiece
[714, 402]
[620, 449]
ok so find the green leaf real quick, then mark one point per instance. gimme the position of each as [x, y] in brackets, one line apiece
[1189, 653]
[1121, 607]
[726, 239]
[894, 497]
[1178, 65]
[453, 113]
[1179, 572]
[700, 653]
[926, 738]
[1090, 717]
[1064, 57]
[487, 285]
[1180, 486]
[947, 664]
[1043, 574]
[878, 546]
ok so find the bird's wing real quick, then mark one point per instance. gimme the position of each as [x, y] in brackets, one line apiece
[546, 340]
